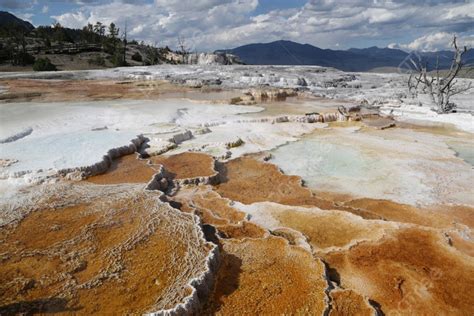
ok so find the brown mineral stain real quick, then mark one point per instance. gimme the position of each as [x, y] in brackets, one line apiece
[114, 255]
[267, 277]
[208, 217]
[248, 181]
[242, 230]
[127, 169]
[44, 228]
[436, 217]
[328, 229]
[134, 254]
[153, 268]
[435, 128]
[186, 165]
[84, 90]
[413, 271]
[217, 211]
[218, 206]
[347, 302]
[258, 273]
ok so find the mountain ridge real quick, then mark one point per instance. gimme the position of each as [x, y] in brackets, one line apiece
[284, 52]
[7, 20]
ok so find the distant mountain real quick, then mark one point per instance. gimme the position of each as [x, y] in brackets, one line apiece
[374, 51]
[354, 59]
[445, 58]
[8, 20]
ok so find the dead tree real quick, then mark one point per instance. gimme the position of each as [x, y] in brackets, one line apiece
[439, 87]
[183, 49]
[125, 42]
[413, 85]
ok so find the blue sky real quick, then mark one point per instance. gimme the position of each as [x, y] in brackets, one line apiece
[213, 24]
[268, 5]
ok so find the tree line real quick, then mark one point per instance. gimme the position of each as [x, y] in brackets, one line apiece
[18, 45]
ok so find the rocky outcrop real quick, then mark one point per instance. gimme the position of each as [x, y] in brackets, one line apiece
[233, 144]
[214, 179]
[157, 146]
[7, 162]
[340, 82]
[212, 59]
[203, 59]
[181, 137]
[159, 182]
[254, 96]
[309, 118]
[201, 170]
[274, 94]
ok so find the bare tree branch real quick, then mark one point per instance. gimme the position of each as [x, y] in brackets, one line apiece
[440, 88]
[183, 49]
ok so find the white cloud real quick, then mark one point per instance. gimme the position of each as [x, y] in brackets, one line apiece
[379, 15]
[45, 9]
[211, 24]
[190, 5]
[73, 20]
[26, 17]
[435, 42]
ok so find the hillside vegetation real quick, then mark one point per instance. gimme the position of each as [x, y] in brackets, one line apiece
[94, 46]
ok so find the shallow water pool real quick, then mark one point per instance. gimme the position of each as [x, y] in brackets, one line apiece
[380, 166]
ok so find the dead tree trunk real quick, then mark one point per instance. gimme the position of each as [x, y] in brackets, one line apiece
[183, 50]
[440, 88]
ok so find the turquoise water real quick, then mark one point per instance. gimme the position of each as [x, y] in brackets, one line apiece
[326, 163]
[465, 151]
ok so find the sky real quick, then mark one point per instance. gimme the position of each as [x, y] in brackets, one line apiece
[206, 25]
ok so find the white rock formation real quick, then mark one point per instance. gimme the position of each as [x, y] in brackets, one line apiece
[212, 59]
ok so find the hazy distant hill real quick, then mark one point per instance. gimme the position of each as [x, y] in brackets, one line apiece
[354, 59]
[8, 20]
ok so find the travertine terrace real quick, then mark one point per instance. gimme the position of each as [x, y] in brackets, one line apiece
[202, 190]
[107, 249]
